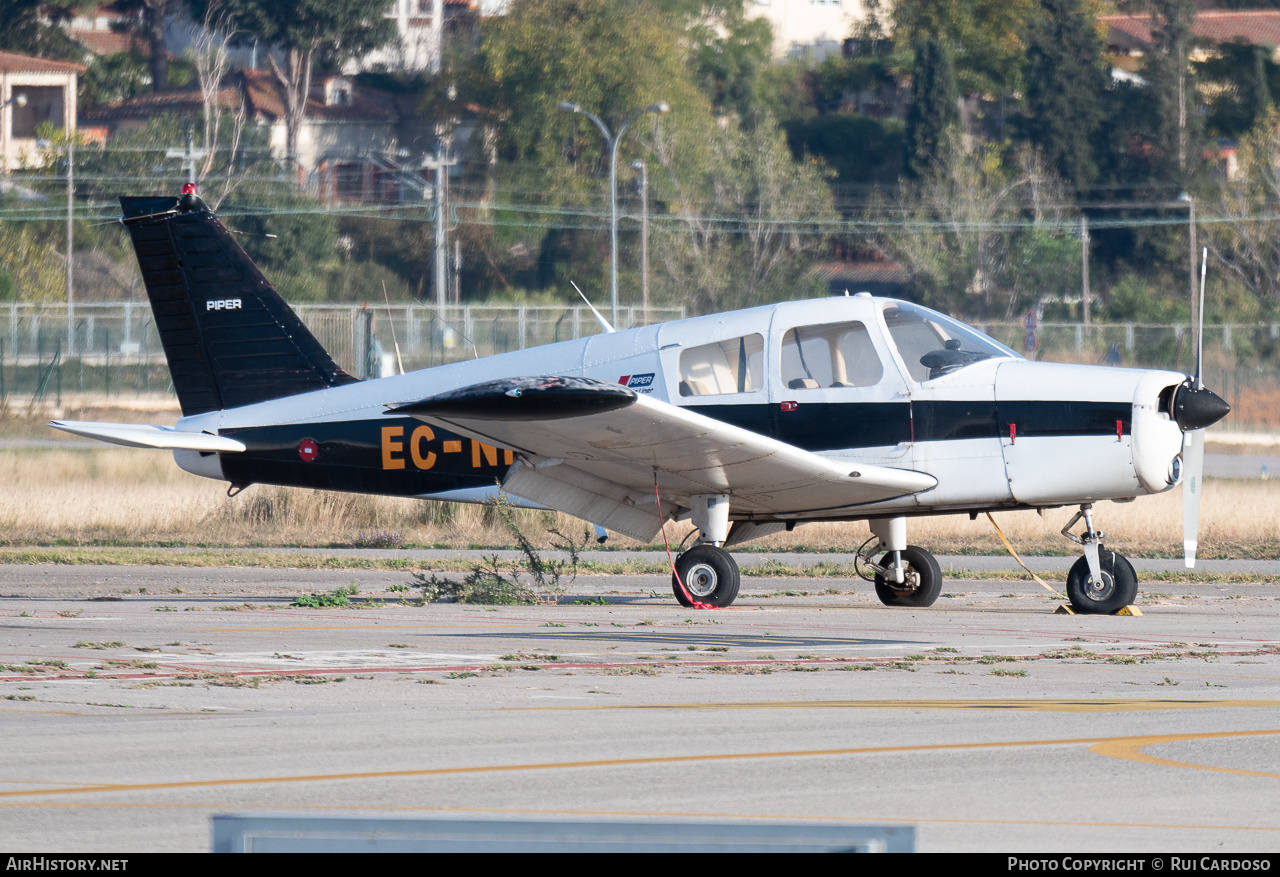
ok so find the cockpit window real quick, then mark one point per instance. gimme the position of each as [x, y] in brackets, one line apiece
[733, 366]
[829, 355]
[932, 345]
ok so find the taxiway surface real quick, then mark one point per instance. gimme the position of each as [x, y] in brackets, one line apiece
[135, 702]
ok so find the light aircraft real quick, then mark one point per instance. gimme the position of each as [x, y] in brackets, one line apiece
[744, 423]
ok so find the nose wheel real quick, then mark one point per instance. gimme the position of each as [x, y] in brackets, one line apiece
[706, 574]
[1115, 588]
[1101, 582]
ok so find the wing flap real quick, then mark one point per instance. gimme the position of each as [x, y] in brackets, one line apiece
[134, 435]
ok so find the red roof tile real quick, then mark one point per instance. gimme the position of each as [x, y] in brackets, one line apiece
[12, 63]
[1256, 26]
[265, 100]
[109, 42]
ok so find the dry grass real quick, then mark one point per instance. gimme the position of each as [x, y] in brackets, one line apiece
[137, 497]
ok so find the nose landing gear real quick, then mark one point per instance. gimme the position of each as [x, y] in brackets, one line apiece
[1102, 581]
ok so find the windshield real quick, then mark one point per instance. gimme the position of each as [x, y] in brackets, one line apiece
[933, 345]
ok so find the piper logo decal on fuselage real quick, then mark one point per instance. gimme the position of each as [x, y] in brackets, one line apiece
[223, 304]
[639, 383]
[419, 453]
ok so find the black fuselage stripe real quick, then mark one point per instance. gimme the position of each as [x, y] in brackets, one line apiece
[375, 456]
[829, 426]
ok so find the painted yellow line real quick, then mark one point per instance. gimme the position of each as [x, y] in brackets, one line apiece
[660, 814]
[362, 627]
[1012, 705]
[1131, 750]
[610, 762]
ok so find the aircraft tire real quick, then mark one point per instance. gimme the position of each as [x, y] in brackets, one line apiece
[921, 564]
[1119, 588]
[710, 576]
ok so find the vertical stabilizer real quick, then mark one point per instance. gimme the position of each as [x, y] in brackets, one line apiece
[228, 335]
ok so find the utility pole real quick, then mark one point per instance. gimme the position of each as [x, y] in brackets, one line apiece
[71, 188]
[644, 237]
[440, 164]
[1191, 267]
[1084, 270]
[189, 155]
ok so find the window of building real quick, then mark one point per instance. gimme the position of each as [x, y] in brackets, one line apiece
[44, 104]
[733, 366]
[829, 355]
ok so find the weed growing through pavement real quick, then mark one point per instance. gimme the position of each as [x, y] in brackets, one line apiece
[527, 581]
[330, 599]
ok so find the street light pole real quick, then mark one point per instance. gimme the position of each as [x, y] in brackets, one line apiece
[613, 142]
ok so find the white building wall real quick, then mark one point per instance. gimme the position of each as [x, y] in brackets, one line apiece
[13, 150]
[818, 27]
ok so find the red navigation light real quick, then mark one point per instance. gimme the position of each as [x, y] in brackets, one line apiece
[190, 189]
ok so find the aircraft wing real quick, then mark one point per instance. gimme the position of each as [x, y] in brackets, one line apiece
[134, 435]
[593, 449]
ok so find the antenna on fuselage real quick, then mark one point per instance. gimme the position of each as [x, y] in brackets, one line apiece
[604, 324]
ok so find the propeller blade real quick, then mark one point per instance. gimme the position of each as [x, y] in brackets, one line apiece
[1192, 475]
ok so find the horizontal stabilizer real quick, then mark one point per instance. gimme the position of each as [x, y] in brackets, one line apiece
[135, 435]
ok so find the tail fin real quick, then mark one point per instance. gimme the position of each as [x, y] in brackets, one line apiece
[228, 335]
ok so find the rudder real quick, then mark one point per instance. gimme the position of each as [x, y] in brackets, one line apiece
[229, 338]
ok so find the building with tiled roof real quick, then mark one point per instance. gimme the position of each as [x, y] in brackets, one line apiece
[349, 128]
[1130, 34]
[33, 91]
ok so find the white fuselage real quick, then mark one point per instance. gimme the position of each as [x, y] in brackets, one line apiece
[840, 377]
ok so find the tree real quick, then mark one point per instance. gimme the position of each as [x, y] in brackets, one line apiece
[935, 109]
[1066, 83]
[985, 34]
[1168, 72]
[964, 233]
[1247, 242]
[745, 224]
[1239, 80]
[304, 34]
[612, 57]
[23, 30]
[728, 51]
[148, 18]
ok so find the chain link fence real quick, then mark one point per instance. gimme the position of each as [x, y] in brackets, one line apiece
[112, 349]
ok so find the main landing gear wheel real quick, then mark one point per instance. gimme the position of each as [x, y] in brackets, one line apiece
[923, 580]
[710, 576]
[1118, 588]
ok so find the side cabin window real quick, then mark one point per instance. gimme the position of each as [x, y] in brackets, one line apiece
[829, 355]
[732, 366]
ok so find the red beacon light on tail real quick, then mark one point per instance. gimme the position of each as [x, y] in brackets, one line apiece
[190, 189]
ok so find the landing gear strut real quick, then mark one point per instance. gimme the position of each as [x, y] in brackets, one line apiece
[706, 573]
[906, 575]
[1102, 581]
